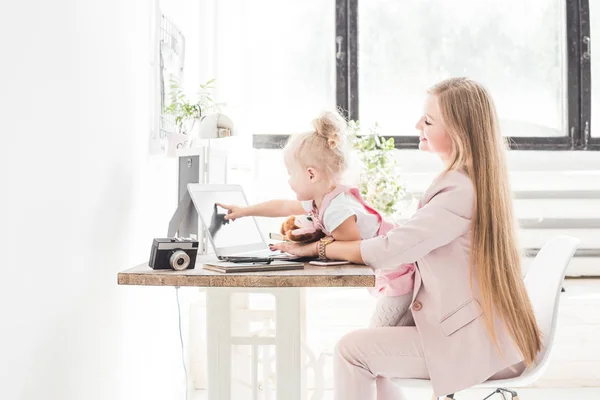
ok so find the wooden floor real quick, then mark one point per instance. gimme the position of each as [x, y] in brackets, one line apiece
[574, 370]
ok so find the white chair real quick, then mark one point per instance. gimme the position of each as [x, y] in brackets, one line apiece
[543, 283]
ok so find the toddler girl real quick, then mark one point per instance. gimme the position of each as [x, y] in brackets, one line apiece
[316, 162]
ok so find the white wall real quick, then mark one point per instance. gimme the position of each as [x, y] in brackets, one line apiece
[81, 200]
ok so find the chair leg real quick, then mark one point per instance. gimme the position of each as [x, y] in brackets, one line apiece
[449, 397]
[513, 394]
[504, 393]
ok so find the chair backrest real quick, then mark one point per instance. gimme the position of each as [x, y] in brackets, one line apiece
[544, 282]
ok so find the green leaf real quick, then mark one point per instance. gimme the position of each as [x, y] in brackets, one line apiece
[379, 176]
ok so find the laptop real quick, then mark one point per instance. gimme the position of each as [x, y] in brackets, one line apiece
[234, 241]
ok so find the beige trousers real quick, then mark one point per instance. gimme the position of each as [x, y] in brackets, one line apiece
[366, 359]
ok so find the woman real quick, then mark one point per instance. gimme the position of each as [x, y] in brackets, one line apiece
[474, 320]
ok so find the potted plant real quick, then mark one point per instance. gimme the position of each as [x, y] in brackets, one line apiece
[380, 183]
[186, 112]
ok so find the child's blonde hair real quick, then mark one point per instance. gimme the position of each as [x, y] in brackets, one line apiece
[324, 148]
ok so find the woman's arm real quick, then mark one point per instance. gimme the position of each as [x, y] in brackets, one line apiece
[347, 251]
[272, 208]
[444, 218]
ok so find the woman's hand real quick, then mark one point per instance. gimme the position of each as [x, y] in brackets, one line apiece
[297, 249]
[233, 212]
[347, 251]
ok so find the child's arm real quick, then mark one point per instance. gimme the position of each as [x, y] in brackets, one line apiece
[347, 230]
[272, 208]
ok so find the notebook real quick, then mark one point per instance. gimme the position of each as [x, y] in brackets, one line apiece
[228, 267]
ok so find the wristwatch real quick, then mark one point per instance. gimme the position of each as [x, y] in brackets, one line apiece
[322, 244]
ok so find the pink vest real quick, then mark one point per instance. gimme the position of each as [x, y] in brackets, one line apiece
[388, 282]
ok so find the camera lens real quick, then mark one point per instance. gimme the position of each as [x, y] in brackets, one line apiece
[179, 260]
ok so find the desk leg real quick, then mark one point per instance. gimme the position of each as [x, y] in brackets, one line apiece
[289, 334]
[218, 320]
[289, 317]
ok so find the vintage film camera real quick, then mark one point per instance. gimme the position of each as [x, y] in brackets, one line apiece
[173, 253]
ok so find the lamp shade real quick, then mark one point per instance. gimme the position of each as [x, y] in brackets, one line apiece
[215, 126]
[211, 126]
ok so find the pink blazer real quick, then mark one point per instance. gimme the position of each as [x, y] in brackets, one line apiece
[448, 316]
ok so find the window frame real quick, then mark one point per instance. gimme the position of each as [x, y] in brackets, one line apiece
[578, 74]
[587, 141]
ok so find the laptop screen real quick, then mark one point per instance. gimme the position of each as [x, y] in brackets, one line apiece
[226, 234]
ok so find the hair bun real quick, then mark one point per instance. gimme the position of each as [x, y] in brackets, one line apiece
[332, 127]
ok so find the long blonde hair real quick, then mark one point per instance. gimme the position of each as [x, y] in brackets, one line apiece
[479, 149]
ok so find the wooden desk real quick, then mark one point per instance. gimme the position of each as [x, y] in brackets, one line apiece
[285, 286]
[310, 276]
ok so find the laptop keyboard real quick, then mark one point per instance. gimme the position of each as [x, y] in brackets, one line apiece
[267, 253]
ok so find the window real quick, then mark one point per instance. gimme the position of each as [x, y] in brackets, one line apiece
[518, 56]
[533, 56]
[591, 47]
[275, 68]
